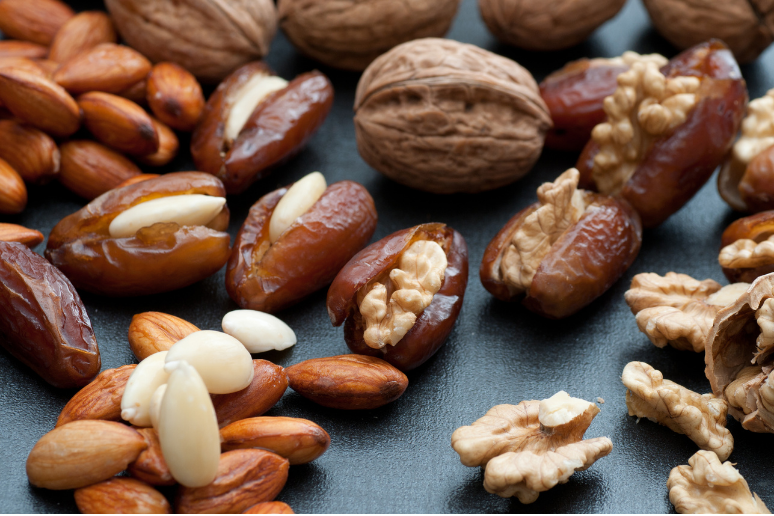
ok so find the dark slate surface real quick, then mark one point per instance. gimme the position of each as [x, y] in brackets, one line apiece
[397, 459]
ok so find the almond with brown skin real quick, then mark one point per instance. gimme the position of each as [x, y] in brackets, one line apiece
[90, 169]
[33, 20]
[121, 495]
[168, 146]
[151, 332]
[16, 233]
[82, 453]
[48, 66]
[80, 33]
[268, 385]
[13, 193]
[118, 123]
[150, 466]
[106, 67]
[13, 48]
[348, 382]
[269, 508]
[137, 179]
[245, 478]
[175, 96]
[137, 93]
[31, 152]
[23, 63]
[298, 440]
[101, 399]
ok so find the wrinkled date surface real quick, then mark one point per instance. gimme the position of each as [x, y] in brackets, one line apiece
[43, 322]
[746, 252]
[157, 258]
[308, 255]
[376, 265]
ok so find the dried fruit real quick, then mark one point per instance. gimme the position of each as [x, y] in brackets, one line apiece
[100, 399]
[106, 67]
[148, 376]
[298, 440]
[80, 33]
[267, 387]
[30, 152]
[33, 20]
[120, 495]
[119, 123]
[151, 332]
[258, 331]
[16, 233]
[13, 193]
[89, 169]
[150, 465]
[175, 96]
[746, 249]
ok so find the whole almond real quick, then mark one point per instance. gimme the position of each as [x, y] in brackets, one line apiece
[347, 382]
[82, 32]
[175, 96]
[269, 508]
[118, 123]
[23, 63]
[101, 399]
[268, 385]
[245, 478]
[168, 146]
[298, 440]
[90, 169]
[138, 179]
[82, 453]
[33, 20]
[13, 193]
[39, 102]
[106, 67]
[150, 466]
[137, 93]
[121, 495]
[31, 152]
[16, 233]
[48, 66]
[12, 48]
[151, 332]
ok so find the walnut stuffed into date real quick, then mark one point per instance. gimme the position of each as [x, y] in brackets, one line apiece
[747, 247]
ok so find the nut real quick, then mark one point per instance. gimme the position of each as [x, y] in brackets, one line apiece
[352, 34]
[482, 119]
[121, 495]
[138, 179]
[245, 478]
[137, 92]
[155, 405]
[183, 210]
[16, 233]
[528, 24]
[706, 486]
[678, 310]
[119, 123]
[151, 332]
[25, 64]
[100, 399]
[746, 249]
[168, 146]
[106, 67]
[347, 382]
[297, 200]
[308, 255]
[258, 331]
[268, 385]
[11, 48]
[82, 453]
[150, 465]
[269, 508]
[175, 96]
[80, 33]
[701, 418]
[298, 440]
[43, 321]
[202, 36]
[13, 193]
[35, 20]
[374, 265]
[89, 169]
[148, 376]
[30, 152]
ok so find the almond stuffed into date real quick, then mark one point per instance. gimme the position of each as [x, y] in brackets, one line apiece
[400, 296]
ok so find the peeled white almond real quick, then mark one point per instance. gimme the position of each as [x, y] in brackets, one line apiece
[143, 382]
[188, 428]
[258, 331]
[185, 210]
[222, 361]
[296, 201]
[155, 405]
[249, 96]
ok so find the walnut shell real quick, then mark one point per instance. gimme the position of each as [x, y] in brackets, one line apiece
[209, 38]
[349, 34]
[546, 24]
[445, 117]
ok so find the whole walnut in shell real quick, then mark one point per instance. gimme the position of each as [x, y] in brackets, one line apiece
[446, 117]
[349, 34]
[209, 38]
[546, 24]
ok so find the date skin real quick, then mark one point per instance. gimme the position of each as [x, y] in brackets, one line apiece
[748, 187]
[581, 266]
[756, 227]
[158, 258]
[308, 255]
[43, 322]
[433, 325]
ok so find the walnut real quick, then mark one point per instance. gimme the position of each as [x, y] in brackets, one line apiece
[446, 117]
[546, 24]
[209, 38]
[746, 254]
[757, 129]
[530, 447]
[390, 308]
[701, 417]
[706, 486]
[678, 310]
[349, 34]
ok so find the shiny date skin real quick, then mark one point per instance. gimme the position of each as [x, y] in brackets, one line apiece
[307, 256]
[43, 322]
[433, 325]
[748, 187]
[581, 266]
[756, 227]
[158, 258]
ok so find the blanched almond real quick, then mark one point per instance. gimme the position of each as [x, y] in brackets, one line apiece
[148, 376]
[175, 96]
[185, 210]
[31, 152]
[155, 405]
[298, 199]
[89, 169]
[106, 67]
[82, 32]
[13, 193]
[151, 332]
[298, 440]
[258, 331]
[16, 233]
[33, 20]
[39, 101]
[247, 98]
[121, 495]
[119, 123]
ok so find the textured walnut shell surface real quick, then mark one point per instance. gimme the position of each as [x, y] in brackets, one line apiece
[350, 34]
[159, 258]
[546, 24]
[43, 322]
[433, 325]
[756, 227]
[443, 116]
[209, 38]
[308, 255]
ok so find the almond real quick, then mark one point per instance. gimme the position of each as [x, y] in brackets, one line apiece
[101, 399]
[48, 66]
[121, 495]
[90, 169]
[245, 478]
[80, 33]
[150, 466]
[347, 382]
[175, 96]
[39, 101]
[138, 179]
[148, 376]
[31, 152]
[12, 48]
[16, 233]
[168, 146]
[269, 508]
[268, 385]
[106, 67]
[137, 93]
[298, 440]
[33, 20]
[118, 123]
[151, 332]
[82, 453]
[13, 193]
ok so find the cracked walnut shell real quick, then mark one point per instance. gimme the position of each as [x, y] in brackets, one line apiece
[445, 117]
